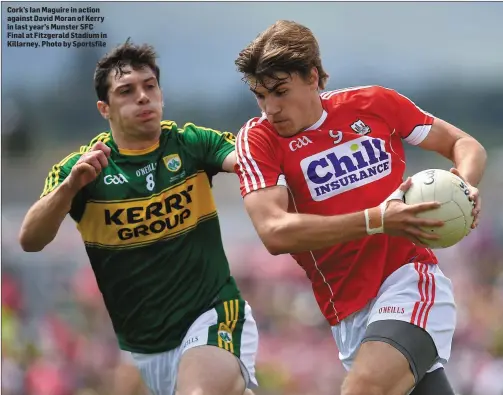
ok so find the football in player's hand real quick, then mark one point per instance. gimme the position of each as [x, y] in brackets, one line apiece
[456, 208]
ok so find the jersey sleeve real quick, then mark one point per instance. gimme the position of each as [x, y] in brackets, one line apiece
[209, 146]
[258, 163]
[57, 175]
[411, 122]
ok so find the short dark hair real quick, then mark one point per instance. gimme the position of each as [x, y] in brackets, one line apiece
[127, 54]
[285, 46]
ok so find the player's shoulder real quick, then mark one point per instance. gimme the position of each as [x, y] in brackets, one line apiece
[171, 131]
[169, 127]
[187, 129]
[70, 159]
[356, 96]
[194, 133]
[191, 127]
[257, 128]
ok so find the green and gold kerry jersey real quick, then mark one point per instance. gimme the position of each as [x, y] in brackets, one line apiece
[150, 228]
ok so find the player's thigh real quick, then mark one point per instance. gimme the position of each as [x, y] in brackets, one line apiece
[378, 369]
[393, 356]
[209, 370]
[126, 378]
[415, 312]
[224, 339]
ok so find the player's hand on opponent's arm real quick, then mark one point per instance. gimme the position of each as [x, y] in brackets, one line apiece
[44, 218]
[400, 219]
[474, 197]
[88, 167]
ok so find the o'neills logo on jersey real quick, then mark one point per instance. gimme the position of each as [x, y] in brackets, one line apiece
[345, 167]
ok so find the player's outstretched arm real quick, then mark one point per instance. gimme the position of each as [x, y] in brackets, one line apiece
[212, 147]
[467, 154]
[44, 218]
[420, 128]
[283, 232]
[42, 222]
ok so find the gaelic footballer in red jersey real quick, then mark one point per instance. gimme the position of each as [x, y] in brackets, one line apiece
[322, 179]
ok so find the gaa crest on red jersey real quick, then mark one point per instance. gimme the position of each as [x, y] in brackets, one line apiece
[360, 127]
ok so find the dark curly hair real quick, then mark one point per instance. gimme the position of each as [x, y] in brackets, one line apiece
[127, 54]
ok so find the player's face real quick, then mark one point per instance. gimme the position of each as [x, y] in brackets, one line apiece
[135, 102]
[290, 102]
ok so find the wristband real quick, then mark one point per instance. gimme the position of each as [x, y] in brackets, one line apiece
[374, 219]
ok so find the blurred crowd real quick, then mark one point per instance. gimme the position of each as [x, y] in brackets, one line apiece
[57, 338]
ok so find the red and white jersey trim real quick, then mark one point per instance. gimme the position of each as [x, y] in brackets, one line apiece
[418, 134]
[247, 165]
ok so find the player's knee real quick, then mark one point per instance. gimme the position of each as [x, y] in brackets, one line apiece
[361, 385]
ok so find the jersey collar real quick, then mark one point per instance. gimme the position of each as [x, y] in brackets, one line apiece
[319, 122]
[131, 152]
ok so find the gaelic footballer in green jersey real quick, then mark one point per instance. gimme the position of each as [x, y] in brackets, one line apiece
[141, 197]
[151, 231]
[150, 228]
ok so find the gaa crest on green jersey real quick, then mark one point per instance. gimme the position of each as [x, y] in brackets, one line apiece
[172, 162]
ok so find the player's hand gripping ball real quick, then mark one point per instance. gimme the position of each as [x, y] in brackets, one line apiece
[457, 205]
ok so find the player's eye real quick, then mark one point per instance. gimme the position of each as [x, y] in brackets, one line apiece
[259, 96]
[281, 92]
[124, 91]
[151, 86]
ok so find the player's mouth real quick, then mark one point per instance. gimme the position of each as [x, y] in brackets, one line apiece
[147, 114]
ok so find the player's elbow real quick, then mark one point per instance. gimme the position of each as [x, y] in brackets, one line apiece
[467, 143]
[479, 148]
[29, 246]
[274, 238]
[274, 247]
[29, 243]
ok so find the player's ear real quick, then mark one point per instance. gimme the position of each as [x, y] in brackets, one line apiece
[314, 78]
[104, 109]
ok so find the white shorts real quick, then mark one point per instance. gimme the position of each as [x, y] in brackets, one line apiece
[214, 327]
[418, 293]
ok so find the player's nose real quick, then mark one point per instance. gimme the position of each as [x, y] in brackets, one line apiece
[143, 97]
[272, 108]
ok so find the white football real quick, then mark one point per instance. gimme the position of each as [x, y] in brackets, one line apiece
[436, 185]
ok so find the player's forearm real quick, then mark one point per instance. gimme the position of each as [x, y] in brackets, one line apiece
[469, 157]
[294, 233]
[44, 219]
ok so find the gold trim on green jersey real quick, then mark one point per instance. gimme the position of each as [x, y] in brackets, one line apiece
[133, 222]
[228, 136]
[51, 181]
